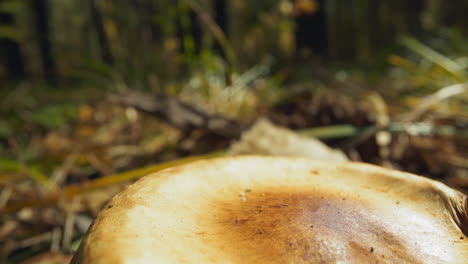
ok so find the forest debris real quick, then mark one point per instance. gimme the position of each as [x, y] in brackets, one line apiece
[95, 200]
[302, 108]
[49, 258]
[268, 139]
[35, 240]
[459, 180]
[383, 138]
[57, 143]
[55, 240]
[7, 229]
[68, 229]
[179, 114]
[60, 174]
[83, 222]
[434, 99]
[5, 195]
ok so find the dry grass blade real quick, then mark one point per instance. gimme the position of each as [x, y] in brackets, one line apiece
[433, 99]
[449, 65]
[73, 190]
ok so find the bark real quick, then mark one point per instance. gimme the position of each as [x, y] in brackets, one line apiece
[311, 32]
[41, 10]
[10, 52]
[221, 19]
[96, 17]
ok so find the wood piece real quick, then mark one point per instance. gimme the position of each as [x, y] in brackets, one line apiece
[181, 115]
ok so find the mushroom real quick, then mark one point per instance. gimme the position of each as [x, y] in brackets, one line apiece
[253, 209]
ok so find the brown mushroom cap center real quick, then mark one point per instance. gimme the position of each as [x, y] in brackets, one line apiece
[293, 226]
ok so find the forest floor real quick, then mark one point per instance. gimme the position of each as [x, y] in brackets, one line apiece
[64, 154]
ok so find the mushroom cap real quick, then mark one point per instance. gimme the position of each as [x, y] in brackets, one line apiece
[253, 209]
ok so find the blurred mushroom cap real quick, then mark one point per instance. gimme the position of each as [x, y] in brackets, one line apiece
[253, 209]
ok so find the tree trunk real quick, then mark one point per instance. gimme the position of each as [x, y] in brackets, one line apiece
[10, 53]
[189, 29]
[41, 10]
[97, 20]
[311, 32]
[149, 32]
[221, 19]
[413, 16]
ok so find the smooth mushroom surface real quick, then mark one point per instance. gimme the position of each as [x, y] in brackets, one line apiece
[253, 209]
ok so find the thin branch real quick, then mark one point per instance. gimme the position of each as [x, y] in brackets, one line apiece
[216, 31]
[181, 115]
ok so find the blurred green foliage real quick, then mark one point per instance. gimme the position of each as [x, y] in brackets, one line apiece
[56, 54]
[149, 44]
